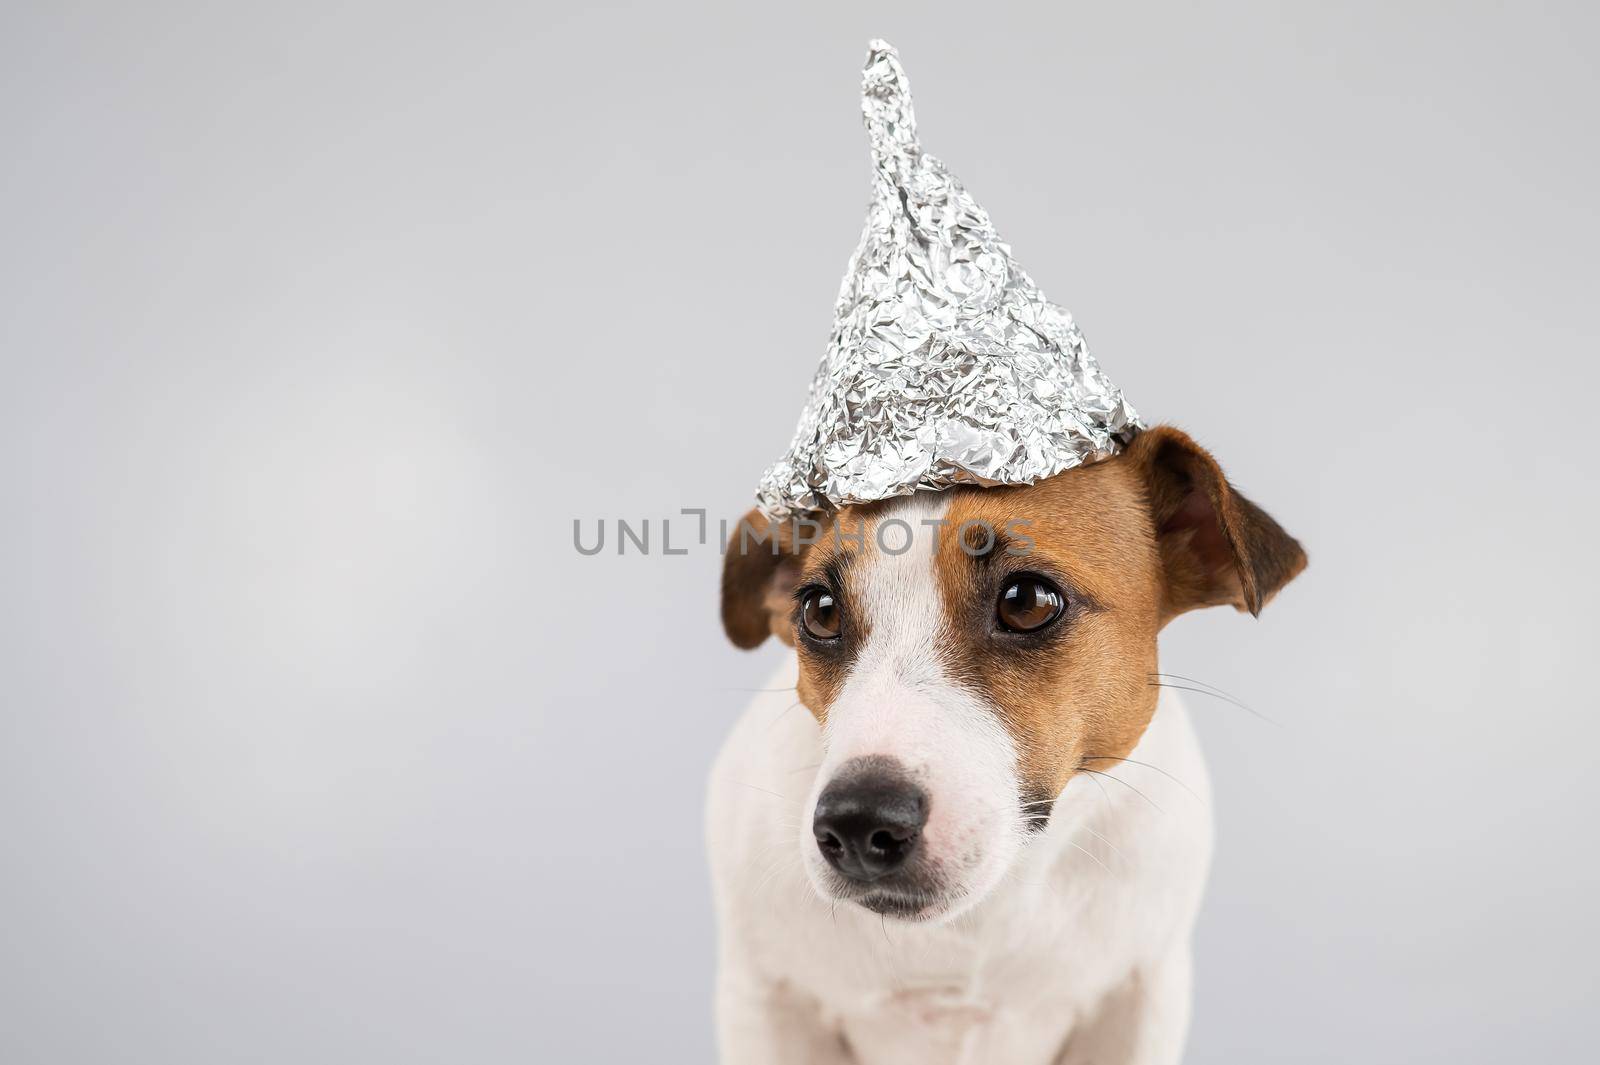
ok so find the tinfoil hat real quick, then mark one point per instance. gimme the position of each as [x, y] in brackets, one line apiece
[947, 365]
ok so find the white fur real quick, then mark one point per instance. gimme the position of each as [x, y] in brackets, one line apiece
[898, 701]
[1067, 947]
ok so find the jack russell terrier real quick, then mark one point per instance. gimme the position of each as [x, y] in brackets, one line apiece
[985, 836]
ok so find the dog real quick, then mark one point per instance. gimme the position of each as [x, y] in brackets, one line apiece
[968, 823]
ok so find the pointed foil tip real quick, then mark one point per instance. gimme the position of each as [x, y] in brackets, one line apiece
[947, 366]
[886, 104]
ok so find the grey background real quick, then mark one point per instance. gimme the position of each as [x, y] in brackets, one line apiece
[321, 325]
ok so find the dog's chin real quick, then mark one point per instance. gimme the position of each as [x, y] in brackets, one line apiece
[914, 908]
[918, 897]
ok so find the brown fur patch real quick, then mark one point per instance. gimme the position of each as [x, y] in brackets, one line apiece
[846, 542]
[1133, 541]
[1216, 546]
[758, 567]
[1080, 687]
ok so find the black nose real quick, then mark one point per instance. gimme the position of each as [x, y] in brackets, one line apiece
[869, 818]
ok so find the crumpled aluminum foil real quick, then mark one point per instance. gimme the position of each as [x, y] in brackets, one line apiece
[947, 365]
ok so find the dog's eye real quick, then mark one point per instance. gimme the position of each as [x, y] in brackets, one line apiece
[819, 613]
[1028, 603]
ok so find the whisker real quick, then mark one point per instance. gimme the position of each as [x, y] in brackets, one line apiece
[786, 711]
[1124, 783]
[1215, 694]
[1091, 855]
[1104, 794]
[769, 878]
[764, 791]
[1147, 765]
[1114, 848]
[1195, 680]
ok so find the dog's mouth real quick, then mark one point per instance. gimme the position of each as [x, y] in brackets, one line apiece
[908, 907]
[910, 897]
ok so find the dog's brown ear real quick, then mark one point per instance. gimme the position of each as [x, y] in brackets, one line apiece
[760, 569]
[1216, 546]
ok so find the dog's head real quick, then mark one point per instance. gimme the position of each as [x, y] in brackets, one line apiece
[968, 652]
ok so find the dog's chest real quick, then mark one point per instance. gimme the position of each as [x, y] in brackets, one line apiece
[917, 995]
[952, 1023]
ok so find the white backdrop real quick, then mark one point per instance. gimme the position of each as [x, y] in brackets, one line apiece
[321, 324]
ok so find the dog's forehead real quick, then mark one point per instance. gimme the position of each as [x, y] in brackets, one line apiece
[883, 558]
[1090, 521]
[1090, 524]
[894, 578]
